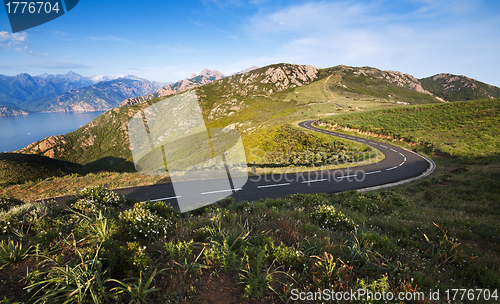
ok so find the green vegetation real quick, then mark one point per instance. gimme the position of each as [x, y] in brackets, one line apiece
[457, 88]
[18, 168]
[438, 233]
[411, 238]
[460, 129]
[371, 83]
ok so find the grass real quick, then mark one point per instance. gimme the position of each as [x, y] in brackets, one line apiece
[419, 237]
[460, 129]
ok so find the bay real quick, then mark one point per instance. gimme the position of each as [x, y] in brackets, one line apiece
[17, 132]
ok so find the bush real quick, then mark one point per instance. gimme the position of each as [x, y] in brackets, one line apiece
[143, 221]
[12, 253]
[326, 217]
[7, 203]
[94, 199]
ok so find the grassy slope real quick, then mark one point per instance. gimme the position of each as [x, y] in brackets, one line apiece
[354, 85]
[17, 168]
[434, 234]
[471, 127]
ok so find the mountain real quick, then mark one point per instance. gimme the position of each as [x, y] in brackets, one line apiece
[457, 87]
[206, 76]
[23, 89]
[255, 103]
[67, 92]
[99, 97]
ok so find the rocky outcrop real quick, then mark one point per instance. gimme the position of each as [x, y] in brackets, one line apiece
[6, 111]
[45, 147]
[457, 87]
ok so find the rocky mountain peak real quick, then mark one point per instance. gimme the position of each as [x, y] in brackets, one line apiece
[212, 73]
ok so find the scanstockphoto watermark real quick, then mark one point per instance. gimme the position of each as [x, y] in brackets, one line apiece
[310, 177]
[359, 295]
[447, 295]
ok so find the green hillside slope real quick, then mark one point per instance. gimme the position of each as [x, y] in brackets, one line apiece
[19, 168]
[257, 103]
[454, 88]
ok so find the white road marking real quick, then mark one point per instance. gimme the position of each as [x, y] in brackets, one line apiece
[165, 198]
[275, 185]
[393, 150]
[401, 154]
[373, 172]
[395, 167]
[383, 146]
[401, 164]
[219, 191]
[347, 176]
[315, 180]
[361, 140]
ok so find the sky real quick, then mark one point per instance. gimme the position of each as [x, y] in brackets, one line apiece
[169, 40]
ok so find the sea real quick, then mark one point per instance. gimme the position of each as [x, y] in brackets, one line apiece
[17, 132]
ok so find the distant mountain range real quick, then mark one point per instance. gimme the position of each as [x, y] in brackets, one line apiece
[24, 93]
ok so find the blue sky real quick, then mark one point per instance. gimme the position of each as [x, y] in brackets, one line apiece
[168, 40]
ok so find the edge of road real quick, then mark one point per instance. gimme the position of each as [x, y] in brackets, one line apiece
[430, 169]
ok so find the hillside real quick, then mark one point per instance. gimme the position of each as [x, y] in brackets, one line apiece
[19, 168]
[435, 233]
[257, 103]
[471, 126]
[8, 111]
[454, 88]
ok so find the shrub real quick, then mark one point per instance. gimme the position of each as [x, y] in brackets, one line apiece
[7, 203]
[83, 283]
[141, 221]
[326, 217]
[12, 253]
[179, 250]
[94, 199]
[287, 256]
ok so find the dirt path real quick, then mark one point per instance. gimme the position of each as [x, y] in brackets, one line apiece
[326, 91]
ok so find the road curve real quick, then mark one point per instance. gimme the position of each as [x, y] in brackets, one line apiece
[399, 166]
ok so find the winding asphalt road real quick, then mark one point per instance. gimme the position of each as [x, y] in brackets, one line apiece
[399, 166]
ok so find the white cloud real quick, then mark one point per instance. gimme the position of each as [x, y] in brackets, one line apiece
[175, 49]
[9, 41]
[45, 64]
[429, 38]
[110, 38]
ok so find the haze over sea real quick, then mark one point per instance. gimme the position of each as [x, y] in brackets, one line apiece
[17, 132]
